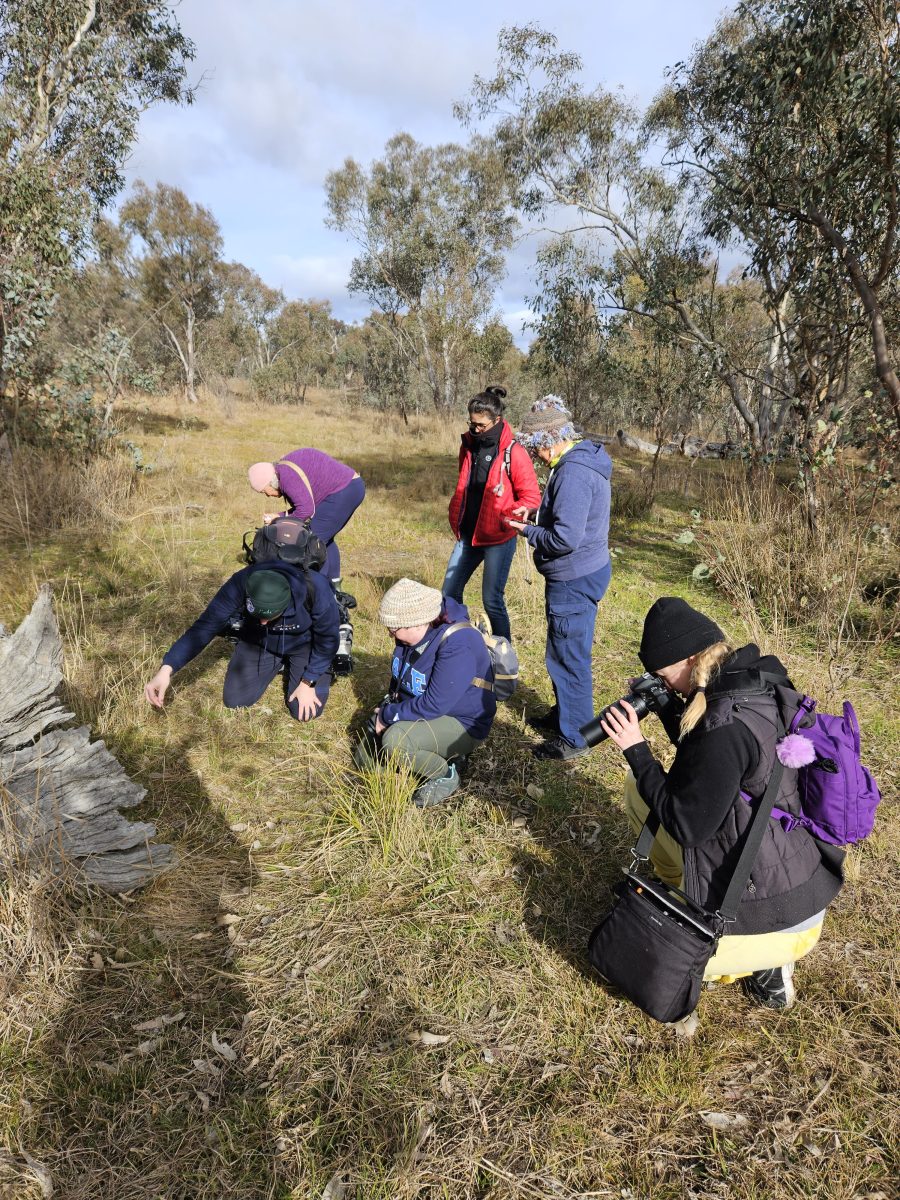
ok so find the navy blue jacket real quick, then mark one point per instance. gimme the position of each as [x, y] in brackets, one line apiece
[439, 682]
[571, 537]
[296, 628]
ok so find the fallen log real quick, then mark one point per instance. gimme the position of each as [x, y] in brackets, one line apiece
[689, 445]
[62, 793]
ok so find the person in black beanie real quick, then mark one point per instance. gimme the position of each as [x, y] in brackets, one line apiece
[725, 724]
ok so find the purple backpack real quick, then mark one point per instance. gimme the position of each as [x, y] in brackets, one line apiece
[838, 796]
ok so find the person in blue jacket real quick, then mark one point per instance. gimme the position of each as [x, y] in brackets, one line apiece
[284, 619]
[569, 534]
[441, 703]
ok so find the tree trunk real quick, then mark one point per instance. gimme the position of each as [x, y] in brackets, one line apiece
[883, 366]
[61, 792]
[430, 371]
[190, 366]
[448, 397]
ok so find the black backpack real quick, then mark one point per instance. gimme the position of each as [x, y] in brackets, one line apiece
[288, 540]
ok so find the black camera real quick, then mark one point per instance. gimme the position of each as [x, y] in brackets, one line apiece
[648, 694]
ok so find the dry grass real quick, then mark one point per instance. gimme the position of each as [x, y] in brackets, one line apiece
[400, 995]
[43, 492]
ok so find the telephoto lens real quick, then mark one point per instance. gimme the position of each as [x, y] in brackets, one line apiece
[648, 694]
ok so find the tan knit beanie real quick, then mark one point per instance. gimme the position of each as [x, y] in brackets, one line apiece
[408, 603]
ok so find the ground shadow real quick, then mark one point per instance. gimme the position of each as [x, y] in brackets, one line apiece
[142, 420]
[143, 1079]
[580, 843]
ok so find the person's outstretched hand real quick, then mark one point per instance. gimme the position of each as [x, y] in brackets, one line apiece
[623, 728]
[268, 518]
[156, 689]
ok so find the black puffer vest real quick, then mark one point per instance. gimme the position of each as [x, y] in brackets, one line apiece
[794, 875]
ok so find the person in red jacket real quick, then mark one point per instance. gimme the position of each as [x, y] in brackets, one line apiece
[495, 476]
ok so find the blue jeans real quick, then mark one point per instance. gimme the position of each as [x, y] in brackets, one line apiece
[571, 606]
[497, 561]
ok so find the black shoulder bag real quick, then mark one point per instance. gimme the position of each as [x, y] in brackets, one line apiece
[655, 942]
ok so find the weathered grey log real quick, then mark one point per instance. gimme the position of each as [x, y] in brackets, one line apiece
[635, 443]
[30, 673]
[690, 446]
[63, 792]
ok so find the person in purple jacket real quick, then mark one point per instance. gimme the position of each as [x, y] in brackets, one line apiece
[317, 486]
[283, 619]
[441, 702]
[569, 534]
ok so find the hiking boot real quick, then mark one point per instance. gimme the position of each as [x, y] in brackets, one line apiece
[461, 762]
[773, 988]
[559, 748]
[437, 790]
[548, 722]
[344, 598]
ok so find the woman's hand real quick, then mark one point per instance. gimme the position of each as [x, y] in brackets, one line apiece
[308, 703]
[526, 516]
[156, 689]
[622, 727]
[268, 518]
[380, 726]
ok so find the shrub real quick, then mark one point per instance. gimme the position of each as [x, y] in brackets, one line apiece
[631, 503]
[757, 547]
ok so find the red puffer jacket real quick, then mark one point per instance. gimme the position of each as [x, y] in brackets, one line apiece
[522, 488]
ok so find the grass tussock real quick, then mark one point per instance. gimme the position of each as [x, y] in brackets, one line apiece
[47, 491]
[338, 995]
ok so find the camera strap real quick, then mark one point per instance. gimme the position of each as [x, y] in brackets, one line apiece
[727, 910]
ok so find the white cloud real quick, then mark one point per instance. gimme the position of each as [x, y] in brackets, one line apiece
[320, 276]
[291, 89]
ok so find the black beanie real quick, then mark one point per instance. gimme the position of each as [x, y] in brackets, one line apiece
[674, 631]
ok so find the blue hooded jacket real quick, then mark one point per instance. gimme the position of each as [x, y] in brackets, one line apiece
[310, 619]
[571, 537]
[438, 683]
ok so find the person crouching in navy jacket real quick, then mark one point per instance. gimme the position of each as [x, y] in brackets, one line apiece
[441, 702]
[284, 618]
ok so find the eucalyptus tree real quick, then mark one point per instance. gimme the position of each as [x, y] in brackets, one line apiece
[790, 113]
[432, 225]
[75, 76]
[179, 267]
[569, 350]
[567, 148]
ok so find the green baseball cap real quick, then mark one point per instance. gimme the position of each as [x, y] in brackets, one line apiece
[268, 594]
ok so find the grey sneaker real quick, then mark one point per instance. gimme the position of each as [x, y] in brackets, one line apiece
[773, 988]
[437, 790]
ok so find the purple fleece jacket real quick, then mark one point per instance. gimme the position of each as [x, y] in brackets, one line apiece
[325, 474]
[571, 537]
[438, 683]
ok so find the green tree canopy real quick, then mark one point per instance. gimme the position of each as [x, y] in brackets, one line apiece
[75, 76]
[790, 115]
[432, 225]
[179, 271]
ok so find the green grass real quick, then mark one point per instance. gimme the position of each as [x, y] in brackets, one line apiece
[361, 922]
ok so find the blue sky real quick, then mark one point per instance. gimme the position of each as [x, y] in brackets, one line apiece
[290, 88]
